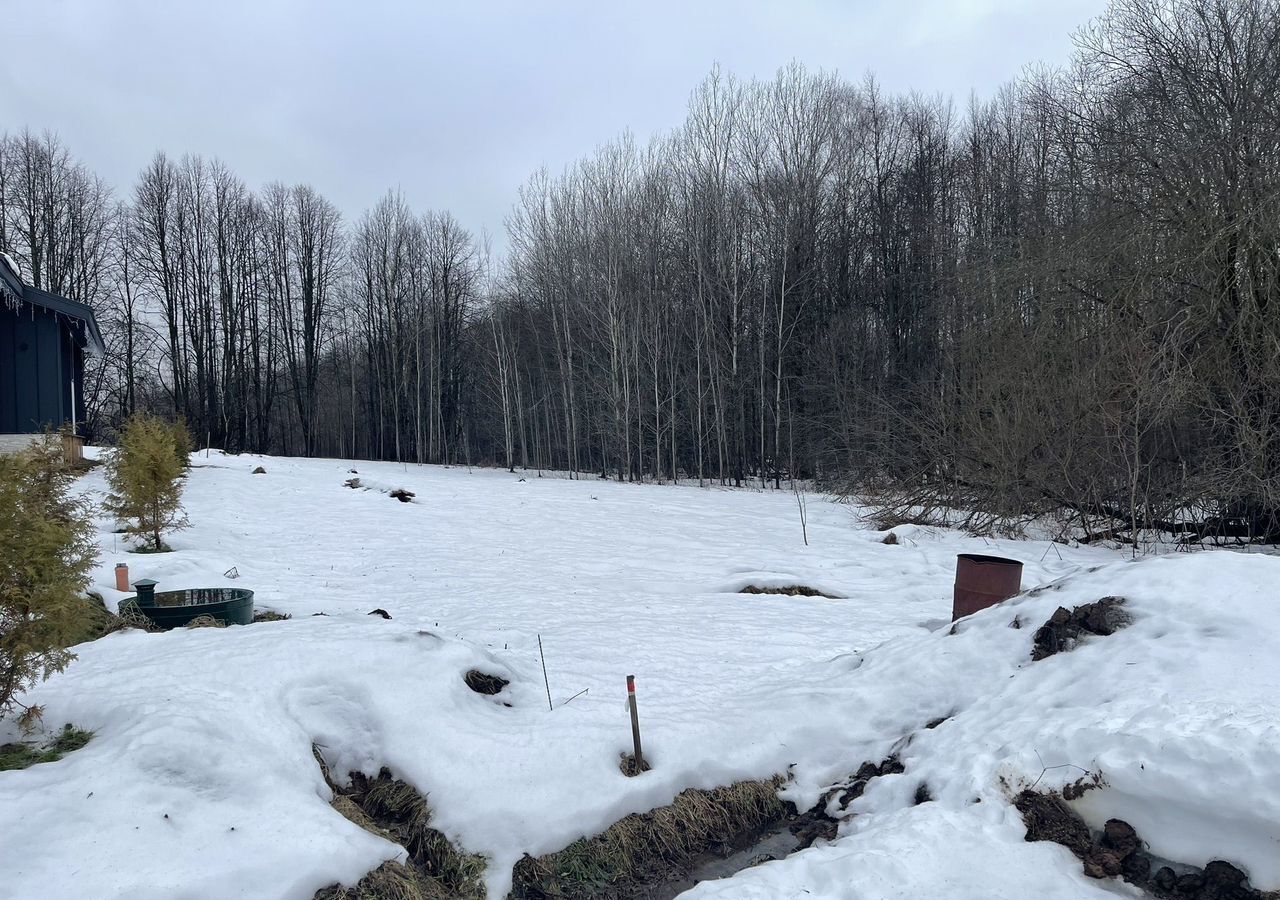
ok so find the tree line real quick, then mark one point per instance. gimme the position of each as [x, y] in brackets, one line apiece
[1056, 300]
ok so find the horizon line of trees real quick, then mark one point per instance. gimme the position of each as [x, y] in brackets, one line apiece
[1055, 300]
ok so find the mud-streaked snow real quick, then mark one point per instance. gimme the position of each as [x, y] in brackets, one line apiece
[200, 782]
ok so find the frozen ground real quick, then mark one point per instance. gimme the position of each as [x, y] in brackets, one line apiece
[200, 783]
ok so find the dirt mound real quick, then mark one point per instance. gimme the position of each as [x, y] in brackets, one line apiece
[483, 683]
[1066, 627]
[1119, 852]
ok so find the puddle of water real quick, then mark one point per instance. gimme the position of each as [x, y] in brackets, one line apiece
[775, 844]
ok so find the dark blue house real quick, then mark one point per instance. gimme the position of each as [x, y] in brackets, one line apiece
[43, 340]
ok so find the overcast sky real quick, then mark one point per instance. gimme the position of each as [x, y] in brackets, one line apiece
[457, 104]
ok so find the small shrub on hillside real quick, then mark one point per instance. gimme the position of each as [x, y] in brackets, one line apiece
[46, 552]
[146, 475]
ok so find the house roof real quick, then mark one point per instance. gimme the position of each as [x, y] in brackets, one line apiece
[14, 291]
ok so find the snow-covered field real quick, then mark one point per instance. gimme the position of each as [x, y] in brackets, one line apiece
[200, 781]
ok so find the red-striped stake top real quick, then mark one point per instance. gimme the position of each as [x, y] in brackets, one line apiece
[631, 684]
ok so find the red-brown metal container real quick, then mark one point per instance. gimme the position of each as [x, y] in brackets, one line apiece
[983, 581]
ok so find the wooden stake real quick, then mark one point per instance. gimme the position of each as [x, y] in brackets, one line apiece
[635, 723]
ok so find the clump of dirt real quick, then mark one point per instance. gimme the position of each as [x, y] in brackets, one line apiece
[639, 853]
[794, 590]
[627, 765]
[393, 809]
[483, 683]
[1048, 818]
[1119, 852]
[1066, 627]
[403, 496]
[852, 788]
[266, 615]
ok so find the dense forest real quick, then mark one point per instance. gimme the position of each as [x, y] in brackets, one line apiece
[1055, 300]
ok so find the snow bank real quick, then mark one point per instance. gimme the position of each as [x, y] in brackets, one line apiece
[1177, 712]
[213, 728]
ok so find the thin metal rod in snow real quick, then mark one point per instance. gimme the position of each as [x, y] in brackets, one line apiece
[575, 696]
[544, 674]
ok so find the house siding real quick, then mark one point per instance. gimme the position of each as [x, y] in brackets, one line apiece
[34, 393]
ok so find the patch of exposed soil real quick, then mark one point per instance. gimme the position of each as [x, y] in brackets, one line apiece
[627, 765]
[1065, 628]
[794, 590]
[483, 683]
[851, 789]
[1119, 852]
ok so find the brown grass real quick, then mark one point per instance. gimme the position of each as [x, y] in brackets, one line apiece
[394, 810]
[132, 617]
[794, 590]
[390, 881]
[648, 846]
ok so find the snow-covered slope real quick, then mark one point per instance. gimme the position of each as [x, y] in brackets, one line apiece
[200, 781]
[1177, 713]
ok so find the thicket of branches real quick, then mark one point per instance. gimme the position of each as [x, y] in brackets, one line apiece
[1056, 300]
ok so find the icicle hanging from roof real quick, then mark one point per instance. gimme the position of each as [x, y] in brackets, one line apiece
[7, 295]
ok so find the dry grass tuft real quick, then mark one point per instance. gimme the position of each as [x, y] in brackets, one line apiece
[794, 590]
[483, 683]
[394, 810]
[390, 881]
[646, 846]
[399, 804]
[205, 622]
[132, 617]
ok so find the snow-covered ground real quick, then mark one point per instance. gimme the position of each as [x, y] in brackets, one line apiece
[200, 783]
